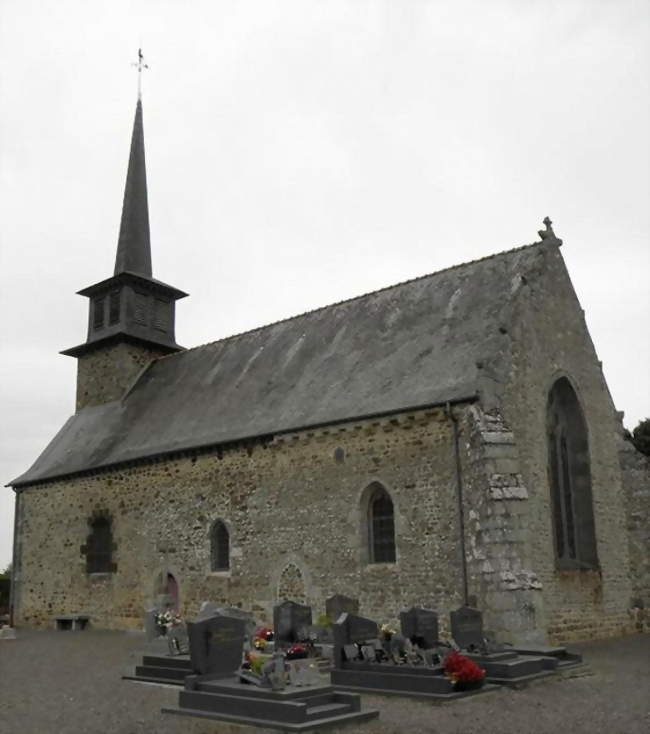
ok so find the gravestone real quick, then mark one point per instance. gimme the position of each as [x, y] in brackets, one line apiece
[216, 644]
[212, 609]
[350, 629]
[467, 628]
[420, 626]
[340, 604]
[151, 629]
[288, 618]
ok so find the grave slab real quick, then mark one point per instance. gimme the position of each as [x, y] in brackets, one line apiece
[293, 709]
[502, 667]
[351, 674]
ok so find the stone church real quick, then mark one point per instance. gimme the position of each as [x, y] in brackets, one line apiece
[444, 440]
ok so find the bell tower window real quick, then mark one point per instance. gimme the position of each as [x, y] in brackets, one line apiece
[114, 306]
[98, 312]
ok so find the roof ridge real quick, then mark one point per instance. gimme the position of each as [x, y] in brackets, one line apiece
[348, 300]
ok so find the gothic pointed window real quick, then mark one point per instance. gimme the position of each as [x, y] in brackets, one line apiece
[99, 547]
[219, 547]
[381, 527]
[569, 476]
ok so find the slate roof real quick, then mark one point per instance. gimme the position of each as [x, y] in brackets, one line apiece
[410, 345]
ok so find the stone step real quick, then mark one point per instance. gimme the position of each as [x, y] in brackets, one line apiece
[524, 665]
[297, 694]
[327, 710]
[152, 679]
[560, 653]
[156, 671]
[307, 726]
[168, 661]
[320, 700]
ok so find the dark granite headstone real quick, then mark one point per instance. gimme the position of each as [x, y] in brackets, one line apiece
[467, 628]
[339, 604]
[216, 644]
[349, 629]
[288, 618]
[361, 629]
[212, 609]
[420, 625]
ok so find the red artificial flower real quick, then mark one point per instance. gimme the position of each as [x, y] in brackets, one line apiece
[460, 668]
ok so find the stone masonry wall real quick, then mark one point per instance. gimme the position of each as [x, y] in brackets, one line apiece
[548, 338]
[293, 502]
[497, 518]
[636, 481]
[107, 372]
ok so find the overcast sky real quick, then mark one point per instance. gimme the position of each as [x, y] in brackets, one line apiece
[303, 152]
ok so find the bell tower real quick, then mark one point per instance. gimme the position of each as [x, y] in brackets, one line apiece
[131, 315]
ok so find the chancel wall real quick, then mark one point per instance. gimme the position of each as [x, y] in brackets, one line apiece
[548, 340]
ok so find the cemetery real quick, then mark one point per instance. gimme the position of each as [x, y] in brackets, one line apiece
[299, 676]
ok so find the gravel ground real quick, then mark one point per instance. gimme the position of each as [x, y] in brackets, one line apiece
[69, 683]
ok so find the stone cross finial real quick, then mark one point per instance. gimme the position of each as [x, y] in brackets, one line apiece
[140, 65]
[548, 233]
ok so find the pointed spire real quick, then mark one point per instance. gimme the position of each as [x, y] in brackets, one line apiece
[134, 247]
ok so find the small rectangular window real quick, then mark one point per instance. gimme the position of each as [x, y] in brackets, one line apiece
[114, 307]
[161, 314]
[140, 309]
[98, 313]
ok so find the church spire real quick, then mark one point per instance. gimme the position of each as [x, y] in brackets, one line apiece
[131, 318]
[134, 246]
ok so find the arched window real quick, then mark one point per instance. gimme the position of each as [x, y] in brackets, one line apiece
[570, 479]
[381, 527]
[99, 546]
[219, 547]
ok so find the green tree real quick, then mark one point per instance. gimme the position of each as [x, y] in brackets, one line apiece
[641, 437]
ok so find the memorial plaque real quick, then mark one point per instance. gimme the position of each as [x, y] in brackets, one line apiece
[177, 640]
[420, 626]
[288, 618]
[216, 644]
[340, 604]
[467, 628]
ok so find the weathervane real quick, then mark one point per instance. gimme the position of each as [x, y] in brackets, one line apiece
[140, 65]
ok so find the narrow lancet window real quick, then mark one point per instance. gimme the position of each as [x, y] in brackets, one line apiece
[570, 479]
[381, 527]
[219, 547]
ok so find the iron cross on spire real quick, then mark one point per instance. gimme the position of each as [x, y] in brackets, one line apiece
[140, 65]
